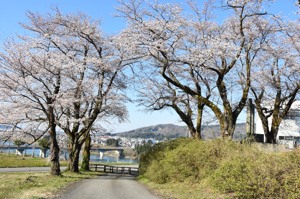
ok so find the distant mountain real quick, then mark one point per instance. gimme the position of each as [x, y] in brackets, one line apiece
[168, 131]
[158, 132]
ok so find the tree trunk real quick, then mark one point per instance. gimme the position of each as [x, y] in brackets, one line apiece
[227, 128]
[85, 166]
[54, 157]
[198, 135]
[199, 120]
[271, 136]
[54, 148]
[194, 133]
[74, 151]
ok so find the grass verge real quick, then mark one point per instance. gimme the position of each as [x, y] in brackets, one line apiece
[13, 161]
[37, 185]
[183, 190]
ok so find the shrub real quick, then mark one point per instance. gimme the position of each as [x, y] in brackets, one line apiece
[19, 142]
[239, 170]
[44, 143]
[157, 153]
[260, 176]
[184, 159]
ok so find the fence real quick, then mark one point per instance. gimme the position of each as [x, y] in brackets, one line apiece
[115, 169]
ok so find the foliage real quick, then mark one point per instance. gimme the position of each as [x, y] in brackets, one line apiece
[142, 148]
[264, 176]
[192, 60]
[112, 142]
[65, 72]
[44, 143]
[276, 80]
[183, 159]
[231, 168]
[156, 153]
[19, 142]
[130, 152]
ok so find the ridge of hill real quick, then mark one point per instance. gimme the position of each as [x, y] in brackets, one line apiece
[169, 131]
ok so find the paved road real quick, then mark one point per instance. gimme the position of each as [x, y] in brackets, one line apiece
[29, 169]
[110, 186]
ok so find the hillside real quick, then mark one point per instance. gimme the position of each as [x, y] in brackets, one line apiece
[169, 131]
[158, 132]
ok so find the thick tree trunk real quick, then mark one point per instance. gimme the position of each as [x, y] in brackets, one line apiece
[54, 148]
[199, 120]
[198, 135]
[85, 166]
[271, 136]
[74, 151]
[227, 129]
[193, 133]
[54, 157]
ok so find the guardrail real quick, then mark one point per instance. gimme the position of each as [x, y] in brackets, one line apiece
[115, 169]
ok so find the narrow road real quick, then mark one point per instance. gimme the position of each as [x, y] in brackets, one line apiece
[29, 169]
[110, 186]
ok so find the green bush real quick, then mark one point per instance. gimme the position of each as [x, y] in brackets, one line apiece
[19, 142]
[157, 153]
[260, 176]
[184, 159]
[238, 170]
[44, 143]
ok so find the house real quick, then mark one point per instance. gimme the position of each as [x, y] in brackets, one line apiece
[289, 130]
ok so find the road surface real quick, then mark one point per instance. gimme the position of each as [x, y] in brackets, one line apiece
[109, 186]
[29, 169]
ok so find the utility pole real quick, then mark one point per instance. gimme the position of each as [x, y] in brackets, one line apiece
[250, 118]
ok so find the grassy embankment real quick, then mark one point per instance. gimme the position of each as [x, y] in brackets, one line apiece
[218, 169]
[33, 185]
[11, 160]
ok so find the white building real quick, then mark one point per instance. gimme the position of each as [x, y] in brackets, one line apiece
[289, 130]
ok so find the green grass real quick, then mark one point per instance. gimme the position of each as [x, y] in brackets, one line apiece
[183, 190]
[11, 160]
[36, 185]
[33, 185]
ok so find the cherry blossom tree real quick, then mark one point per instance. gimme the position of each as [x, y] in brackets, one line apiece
[186, 46]
[29, 83]
[83, 79]
[276, 80]
[156, 93]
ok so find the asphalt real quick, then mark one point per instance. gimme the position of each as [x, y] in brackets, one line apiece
[28, 169]
[109, 186]
[105, 186]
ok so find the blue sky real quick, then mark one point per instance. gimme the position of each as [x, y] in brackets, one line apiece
[13, 11]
